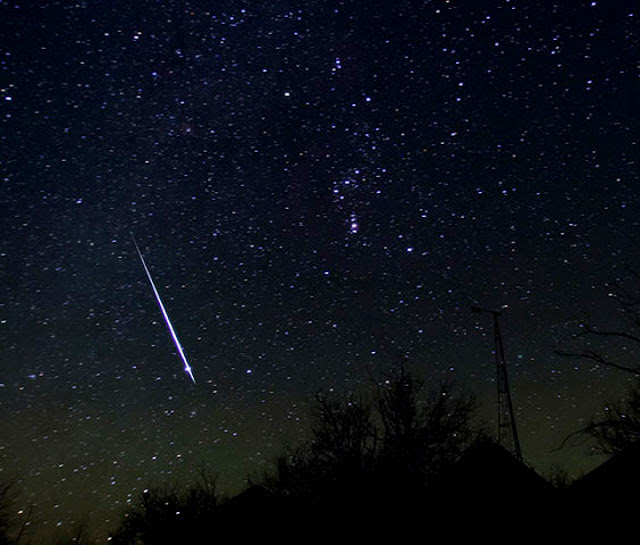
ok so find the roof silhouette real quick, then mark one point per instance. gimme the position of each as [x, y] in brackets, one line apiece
[618, 475]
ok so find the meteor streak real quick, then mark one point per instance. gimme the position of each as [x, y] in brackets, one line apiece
[187, 367]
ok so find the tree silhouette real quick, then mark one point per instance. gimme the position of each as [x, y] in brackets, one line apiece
[340, 455]
[164, 516]
[11, 532]
[343, 432]
[367, 452]
[618, 425]
[423, 432]
[375, 455]
[628, 303]
[7, 496]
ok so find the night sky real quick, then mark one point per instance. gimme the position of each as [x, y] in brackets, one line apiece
[320, 191]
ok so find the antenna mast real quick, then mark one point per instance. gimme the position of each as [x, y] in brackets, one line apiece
[507, 430]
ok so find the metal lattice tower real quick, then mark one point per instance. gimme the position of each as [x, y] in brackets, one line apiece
[507, 430]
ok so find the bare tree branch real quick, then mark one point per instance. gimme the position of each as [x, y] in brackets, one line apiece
[620, 423]
[600, 333]
[598, 358]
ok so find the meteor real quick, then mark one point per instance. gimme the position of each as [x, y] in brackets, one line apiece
[187, 367]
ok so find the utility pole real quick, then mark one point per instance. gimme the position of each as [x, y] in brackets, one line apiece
[507, 430]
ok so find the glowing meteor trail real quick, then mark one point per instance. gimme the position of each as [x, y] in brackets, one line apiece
[187, 367]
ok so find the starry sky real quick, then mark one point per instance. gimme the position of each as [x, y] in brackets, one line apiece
[320, 190]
